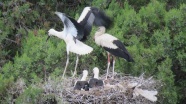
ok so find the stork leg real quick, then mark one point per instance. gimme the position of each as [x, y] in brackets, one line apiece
[108, 65]
[77, 60]
[113, 58]
[66, 65]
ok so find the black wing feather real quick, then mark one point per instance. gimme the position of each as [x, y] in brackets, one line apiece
[87, 25]
[121, 51]
[94, 82]
[81, 85]
[79, 28]
[100, 18]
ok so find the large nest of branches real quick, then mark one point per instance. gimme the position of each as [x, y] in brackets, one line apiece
[120, 90]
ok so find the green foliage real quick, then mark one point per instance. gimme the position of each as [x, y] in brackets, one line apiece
[5, 84]
[31, 95]
[132, 23]
[138, 4]
[173, 21]
[152, 15]
[179, 46]
[39, 57]
[15, 16]
[166, 76]
[173, 3]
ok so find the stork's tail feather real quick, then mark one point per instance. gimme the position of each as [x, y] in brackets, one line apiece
[80, 48]
[131, 60]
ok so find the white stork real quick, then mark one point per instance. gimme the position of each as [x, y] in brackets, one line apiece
[77, 47]
[112, 45]
[78, 30]
[95, 81]
[82, 84]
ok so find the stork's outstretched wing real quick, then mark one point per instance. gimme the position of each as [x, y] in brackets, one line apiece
[71, 27]
[93, 16]
[81, 29]
[86, 19]
[101, 19]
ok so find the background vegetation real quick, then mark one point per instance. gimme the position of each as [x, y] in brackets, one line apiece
[154, 32]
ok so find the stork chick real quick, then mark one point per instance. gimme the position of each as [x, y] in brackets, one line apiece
[82, 84]
[95, 81]
[112, 45]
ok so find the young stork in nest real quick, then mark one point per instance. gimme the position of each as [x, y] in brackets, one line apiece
[82, 84]
[95, 81]
[112, 45]
[78, 30]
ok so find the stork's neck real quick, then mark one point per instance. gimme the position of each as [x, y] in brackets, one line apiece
[84, 78]
[96, 38]
[96, 75]
[98, 34]
[59, 34]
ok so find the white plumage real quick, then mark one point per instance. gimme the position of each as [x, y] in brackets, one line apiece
[83, 14]
[150, 95]
[96, 72]
[106, 41]
[78, 48]
[85, 74]
[69, 28]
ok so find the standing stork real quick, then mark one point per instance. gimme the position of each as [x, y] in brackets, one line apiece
[113, 46]
[79, 30]
[78, 47]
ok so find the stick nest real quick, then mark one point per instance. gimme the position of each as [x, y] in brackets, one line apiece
[116, 91]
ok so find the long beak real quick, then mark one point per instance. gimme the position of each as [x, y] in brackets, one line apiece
[47, 38]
